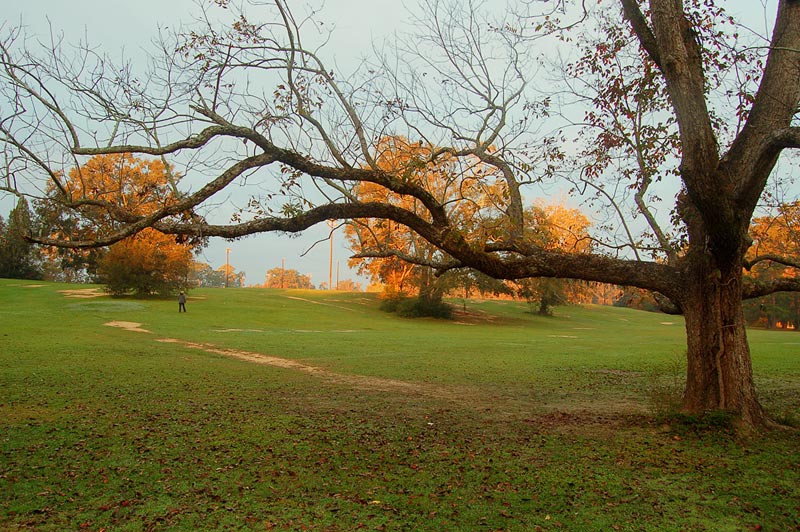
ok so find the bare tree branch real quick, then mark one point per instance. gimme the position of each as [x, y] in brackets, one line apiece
[753, 289]
[777, 259]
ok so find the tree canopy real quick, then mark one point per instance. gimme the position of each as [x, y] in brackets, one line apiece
[147, 263]
[287, 278]
[395, 255]
[667, 117]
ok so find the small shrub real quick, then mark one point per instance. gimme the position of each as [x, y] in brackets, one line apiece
[423, 308]
[417, 308]
[390, 304]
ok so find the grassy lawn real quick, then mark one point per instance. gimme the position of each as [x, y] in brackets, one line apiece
[498, 420]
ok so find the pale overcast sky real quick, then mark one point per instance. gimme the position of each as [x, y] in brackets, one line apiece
[131, 25]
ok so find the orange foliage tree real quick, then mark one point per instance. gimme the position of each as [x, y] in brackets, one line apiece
[147, 263]
[554, 228]
[287, 278]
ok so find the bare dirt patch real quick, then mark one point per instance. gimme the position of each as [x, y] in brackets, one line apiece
[319, 303]
[472, 317]
[357, 381]
[82, 293]
[334, 331]
[127, 325]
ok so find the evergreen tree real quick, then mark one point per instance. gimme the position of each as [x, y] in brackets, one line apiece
[19, 259]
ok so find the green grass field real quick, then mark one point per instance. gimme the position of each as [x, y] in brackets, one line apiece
[303, 410]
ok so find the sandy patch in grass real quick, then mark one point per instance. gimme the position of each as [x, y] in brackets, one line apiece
[357, 381]
[82, 293]
[293, 330]
[333, 331]
[32, 285]
[127, 325]
[472, 317]
[320, 303]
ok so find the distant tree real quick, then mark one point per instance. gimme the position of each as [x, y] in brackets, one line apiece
[348, 285]
[204, 276]
[469, 282]
[631, 297]
[72, 264]
[542, 294]
[775, 311]
[230, 277]
[553, 228]
[600, 293]
[139, 185]
[145, 263]
[287, 278]
[19, 259]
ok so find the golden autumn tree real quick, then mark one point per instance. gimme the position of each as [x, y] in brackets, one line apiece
[287, 278]
[145, 263]
[397, 257]
[230, 277]
[554, 228]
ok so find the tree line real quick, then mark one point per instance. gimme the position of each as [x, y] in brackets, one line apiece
[395, 259]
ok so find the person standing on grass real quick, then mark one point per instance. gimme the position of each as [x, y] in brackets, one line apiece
[181, 302]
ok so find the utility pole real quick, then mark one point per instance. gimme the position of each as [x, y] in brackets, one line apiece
[227, 265]
[331, 224]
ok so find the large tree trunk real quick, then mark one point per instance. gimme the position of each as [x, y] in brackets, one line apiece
[719, 373]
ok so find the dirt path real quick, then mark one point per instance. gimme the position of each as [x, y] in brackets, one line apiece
[499, 407]
[357, 381]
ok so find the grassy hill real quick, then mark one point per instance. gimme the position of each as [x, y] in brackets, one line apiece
[270, 409]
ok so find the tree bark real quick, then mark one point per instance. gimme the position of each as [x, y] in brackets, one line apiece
[719, 371]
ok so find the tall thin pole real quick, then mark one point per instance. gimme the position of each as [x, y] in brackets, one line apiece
[227, 265]
[331, 224]
[330, 267]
